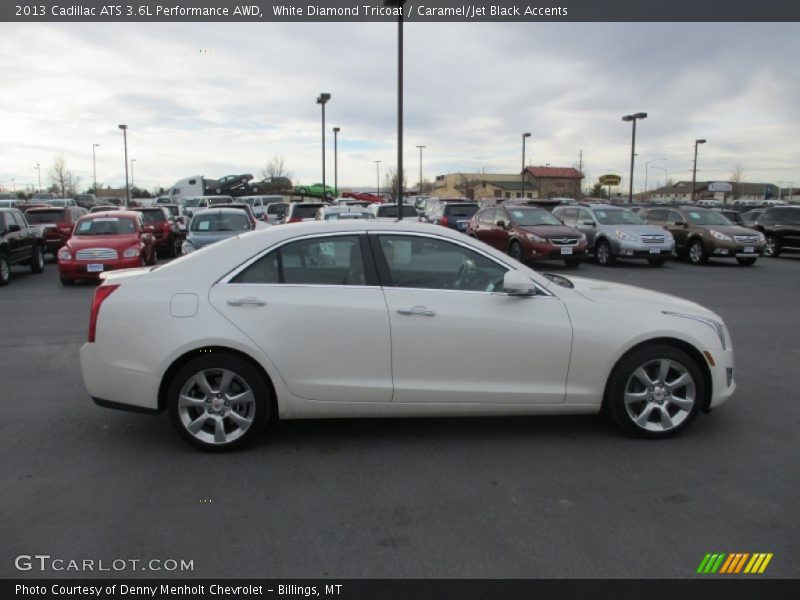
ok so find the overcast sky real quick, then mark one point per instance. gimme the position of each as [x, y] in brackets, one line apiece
[217, 99]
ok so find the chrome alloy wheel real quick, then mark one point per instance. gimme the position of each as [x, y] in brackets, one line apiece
[696, 253]
[660, 395]
[216, 406]
[769, 249]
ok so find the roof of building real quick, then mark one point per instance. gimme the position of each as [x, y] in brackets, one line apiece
[554, 172]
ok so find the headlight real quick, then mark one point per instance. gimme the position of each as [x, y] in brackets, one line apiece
[720, 236]
[187, 247]
[64, 254]
[718, 327]
[131, 253]
[621, 235]
[535, 238]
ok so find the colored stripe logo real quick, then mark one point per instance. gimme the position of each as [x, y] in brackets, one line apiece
[734, 563]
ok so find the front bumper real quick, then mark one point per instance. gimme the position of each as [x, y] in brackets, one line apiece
[725, 249]
[78, 269]
[546, 251]
[629, 249]
[723, 384]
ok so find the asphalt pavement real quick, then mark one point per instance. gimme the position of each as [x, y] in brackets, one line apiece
[528, 497]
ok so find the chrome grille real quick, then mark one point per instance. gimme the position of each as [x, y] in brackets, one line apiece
[746, 239]
[565, 241]
[96, 254]
[653, 239]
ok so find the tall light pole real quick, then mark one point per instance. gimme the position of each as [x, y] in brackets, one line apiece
[632, 118]
[420, 169]
[336, 131]
[125, 142]
[94, 167]
[524, 137]
[378, 172]
[133, 185]
[694, 165]
[322, 99]
[647, 170]
[38, 168]
[791, 189]
[399, 191]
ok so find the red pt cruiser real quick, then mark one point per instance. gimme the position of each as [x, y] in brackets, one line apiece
[106, 241]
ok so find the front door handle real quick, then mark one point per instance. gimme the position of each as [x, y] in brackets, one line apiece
[246, 302]
[423, 311]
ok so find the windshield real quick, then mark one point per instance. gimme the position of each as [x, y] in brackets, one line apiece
[307, 211]
[707, 217]
[530, 217]
[390, 210]
[45, 216]
[221, 222]
[105, 226]
[189, 202]
[617, 216]
[455, 210]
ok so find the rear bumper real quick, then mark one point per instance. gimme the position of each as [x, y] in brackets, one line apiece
[113, 387]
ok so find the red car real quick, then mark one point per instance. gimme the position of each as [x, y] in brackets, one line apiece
[167, 237]
[106, 242]
[62, 220]
[528, 233]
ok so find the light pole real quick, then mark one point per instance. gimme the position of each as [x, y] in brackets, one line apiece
[322, 99]
[791, 189]
[378, 171]
[420, 169]
[133, 185]
[632, 118]
[336, 131]
[94, 167]
[694, 165]
[125, 142]
[399, 191]
[647, 170]
[38, 168]
[524, 136]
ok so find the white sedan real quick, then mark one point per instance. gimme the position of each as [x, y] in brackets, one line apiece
[378, 319]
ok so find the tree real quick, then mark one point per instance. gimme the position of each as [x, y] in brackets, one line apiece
[737, 177]
[598, 191]
[390, 183]
[62, 181]
[276, 167]
[425, 186]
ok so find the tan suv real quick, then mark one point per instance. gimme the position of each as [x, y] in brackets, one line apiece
[702, 233]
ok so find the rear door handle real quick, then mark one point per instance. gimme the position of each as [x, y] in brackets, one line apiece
[423, 311]
[251, 301]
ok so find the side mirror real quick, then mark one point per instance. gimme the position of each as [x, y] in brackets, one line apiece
[13, 227]
[518, 284]
[500, 223]
[590, 223]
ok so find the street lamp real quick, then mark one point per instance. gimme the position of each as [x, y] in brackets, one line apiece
[133, 185]
[647, 170]
[322, 99]
[524, 136]
[125, 142]
[694, 165]
[420, 169]
[399, 4]
[378, 171]
[38, 168]
[336, 131]
[632, 118]
[94, 167]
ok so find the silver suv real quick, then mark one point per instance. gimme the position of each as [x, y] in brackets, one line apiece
[616, 232]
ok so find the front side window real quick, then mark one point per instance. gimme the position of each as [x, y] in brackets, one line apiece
[316, 261]
[430, 263]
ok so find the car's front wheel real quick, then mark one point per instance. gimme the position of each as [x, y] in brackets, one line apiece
[655, 391]
[218, 402]
[697, 253]
[5, 270]
[603, 253]
[37, 260]
[515, 251]
[772, 248]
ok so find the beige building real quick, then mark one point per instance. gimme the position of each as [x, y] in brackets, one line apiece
[540, 182]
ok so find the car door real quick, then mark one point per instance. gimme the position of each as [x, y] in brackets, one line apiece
[457, 338]
[679, 232]
[24, 238]
[582, 220]
[314, 307]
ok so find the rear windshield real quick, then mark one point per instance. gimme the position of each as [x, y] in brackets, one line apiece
[279, 208]
[190, 202]
[305, 211]
[390, 210]
[153, 216]
[46, 216]
[617, 216]
[221, 222]
[335, 216]
[707, 217]
[532, 216]
[452, 210]
[105, 226]
[221, 200]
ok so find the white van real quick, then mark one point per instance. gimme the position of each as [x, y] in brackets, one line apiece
[259, 204]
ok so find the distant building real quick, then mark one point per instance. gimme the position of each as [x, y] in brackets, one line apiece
[682, 192]
[540, 182]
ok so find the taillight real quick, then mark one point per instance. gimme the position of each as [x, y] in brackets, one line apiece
[444, 221]
[100, 294]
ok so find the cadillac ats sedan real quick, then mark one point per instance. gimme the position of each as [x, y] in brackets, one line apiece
[370, 318]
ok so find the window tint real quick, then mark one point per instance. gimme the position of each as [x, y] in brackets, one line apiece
[419, 262]
[487, 216]
[462, 210]
[568, 215]
[584, 215]
[674, 216]
[656, 215]
[317, 261]
[46, 216]
[105, 226]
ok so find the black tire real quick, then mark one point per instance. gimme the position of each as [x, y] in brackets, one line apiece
[573, 262]
[5, 270]
[697, 253]
[772, 248]
[603, 254]
[657, 261]
[37, 260]
[746, 261]
[258, 412]
[67, 281]
[515, 251]
[653, 426]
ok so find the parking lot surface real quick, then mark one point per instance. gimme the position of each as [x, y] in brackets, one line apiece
[408, 498]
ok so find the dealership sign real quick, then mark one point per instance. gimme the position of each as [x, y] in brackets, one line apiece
[610, 179]
[720, 186]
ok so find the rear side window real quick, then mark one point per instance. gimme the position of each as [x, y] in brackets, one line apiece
[656, 215]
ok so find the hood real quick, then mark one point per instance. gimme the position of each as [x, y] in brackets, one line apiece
[635, 229]
[549, 231]
[122, 240]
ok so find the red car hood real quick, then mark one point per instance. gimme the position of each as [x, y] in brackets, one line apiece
[549, 231]
[119, 241]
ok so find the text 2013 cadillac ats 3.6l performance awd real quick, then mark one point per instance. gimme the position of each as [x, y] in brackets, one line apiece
[386, 319]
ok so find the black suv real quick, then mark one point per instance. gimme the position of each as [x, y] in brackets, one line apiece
[781, 226]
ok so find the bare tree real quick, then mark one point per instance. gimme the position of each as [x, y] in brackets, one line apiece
[61, 178]
[737, 178]
[390, 183]
[276, 167]
[425, 186]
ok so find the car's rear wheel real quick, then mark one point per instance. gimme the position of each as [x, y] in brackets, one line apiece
[772, 248]
[657, 261]
[5, 270]
[515, 251]
[655, 392]
[218, 402]
[697, 253]
[37, 260]
[603, 254]
[746, 262]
